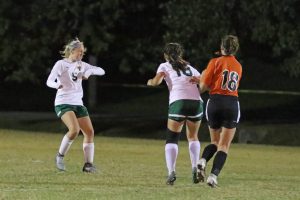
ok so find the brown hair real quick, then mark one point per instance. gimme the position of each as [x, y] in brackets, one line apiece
[174, 52]
[230, 44]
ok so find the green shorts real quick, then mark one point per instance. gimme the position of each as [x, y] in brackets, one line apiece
[80, 111]
[186, 110]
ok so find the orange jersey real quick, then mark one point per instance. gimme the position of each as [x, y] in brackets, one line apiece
[223, 75]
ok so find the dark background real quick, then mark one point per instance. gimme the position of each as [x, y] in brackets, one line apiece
[127, 38]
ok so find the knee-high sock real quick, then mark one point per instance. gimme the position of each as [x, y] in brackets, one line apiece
[194, 149]
[88, 152]
[171, 152]
[219, 162]
[65, 145]
[209, 152]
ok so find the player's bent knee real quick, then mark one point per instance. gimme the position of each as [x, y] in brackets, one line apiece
[74, 131]
[172, 137]
[89, 135]
[90, 132]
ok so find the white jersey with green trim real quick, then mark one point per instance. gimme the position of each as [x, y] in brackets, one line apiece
[178, 82]
[69, 75]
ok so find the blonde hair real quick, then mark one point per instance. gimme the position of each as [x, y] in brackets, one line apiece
[69, 47]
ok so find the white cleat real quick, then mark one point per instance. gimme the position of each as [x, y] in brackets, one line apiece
[59, 161]
[201, 169]
[212, 181]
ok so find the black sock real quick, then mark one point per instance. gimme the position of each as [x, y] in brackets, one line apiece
[219, 162]
[209, 151]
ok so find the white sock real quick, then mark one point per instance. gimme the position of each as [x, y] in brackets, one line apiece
[65, 145]
[171, 152]
[194, 149]
[88, 152]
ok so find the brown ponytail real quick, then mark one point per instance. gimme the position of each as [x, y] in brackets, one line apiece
[174, 52]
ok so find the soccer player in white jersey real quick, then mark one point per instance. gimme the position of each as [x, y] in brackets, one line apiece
[185, 107]
[66, 76]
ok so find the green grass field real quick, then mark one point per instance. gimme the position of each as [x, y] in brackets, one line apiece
[135, 169]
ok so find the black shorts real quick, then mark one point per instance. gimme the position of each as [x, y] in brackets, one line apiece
[222, 111]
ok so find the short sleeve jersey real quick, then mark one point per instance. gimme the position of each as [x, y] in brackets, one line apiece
[223, 75]
[178, 82]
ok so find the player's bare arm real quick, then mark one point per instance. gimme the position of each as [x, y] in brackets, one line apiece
[156, 80]
[203, 87]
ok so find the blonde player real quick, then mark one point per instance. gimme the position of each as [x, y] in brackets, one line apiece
[66, 76]
[185, 107]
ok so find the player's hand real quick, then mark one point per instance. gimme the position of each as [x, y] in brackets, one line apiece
[60, 86]
[194, 80]
[84, 78]
[149, 83]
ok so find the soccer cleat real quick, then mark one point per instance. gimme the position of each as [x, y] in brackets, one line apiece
[212, 180]
[59, 161]
[171, 178]
[201, 169]
[195, 175]
[89, 168]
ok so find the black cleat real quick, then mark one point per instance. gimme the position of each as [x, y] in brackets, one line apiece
[89, 168]
[195, 177]
[171, 179]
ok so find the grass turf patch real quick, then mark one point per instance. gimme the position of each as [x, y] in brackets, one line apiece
[135, 169]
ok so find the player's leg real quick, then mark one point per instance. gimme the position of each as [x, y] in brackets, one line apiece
[193, 109]
[70, 120]
[175, 123]
[221, 155]
[171, 148]
[208, 153]
[87, 129]
[226, 138]
[212, 148]
[192, 129]
[231, 115]
[212, 116]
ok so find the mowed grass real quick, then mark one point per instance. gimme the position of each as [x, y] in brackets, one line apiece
[135, 169]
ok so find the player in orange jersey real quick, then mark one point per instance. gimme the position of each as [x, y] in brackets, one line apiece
[221, 78]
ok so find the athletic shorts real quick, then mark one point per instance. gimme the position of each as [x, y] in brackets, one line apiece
[186, 110]
[222, 111]
[80, 111]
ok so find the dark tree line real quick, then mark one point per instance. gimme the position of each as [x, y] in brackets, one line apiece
[268, 30]
[128, 36]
